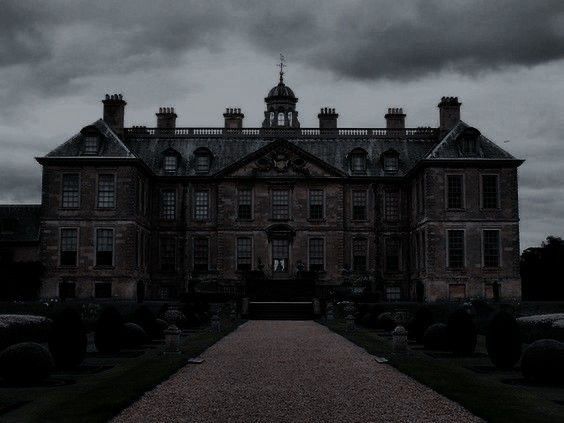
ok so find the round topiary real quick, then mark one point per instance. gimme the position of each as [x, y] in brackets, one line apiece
[161, 327]
[461, 332]
[435, 337]
[543, 361]
[25, 363]
[175, 317]
[386, 321]
[108, 331]
[67, 339]
[503, 340]
[133, 335]
[422, 319]
[145, 318]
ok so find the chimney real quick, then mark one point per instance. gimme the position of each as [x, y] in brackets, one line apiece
[449, 113]
[166, 118]
[233, 118]
[327, 118]
[114, 112]
[395, 118]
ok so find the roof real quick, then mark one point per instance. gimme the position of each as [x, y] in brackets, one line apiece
[19, 223]
[281, 90]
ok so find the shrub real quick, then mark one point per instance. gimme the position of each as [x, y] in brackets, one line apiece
[386, 321]
[67, 339]
[175, 317]
[541, 326]
[422, 319]
[25, 363]
[369, 320]
[161, 327]
[435, 337]
[503, 340]
[543, 361]
[16, 328]
[145, 318]
[133, 335]
[108, 330]
[461, 332]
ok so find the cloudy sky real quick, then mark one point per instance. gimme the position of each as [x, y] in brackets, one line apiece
[504, 59]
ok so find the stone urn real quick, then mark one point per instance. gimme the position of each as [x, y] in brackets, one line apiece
[399, 339]
[172, 340]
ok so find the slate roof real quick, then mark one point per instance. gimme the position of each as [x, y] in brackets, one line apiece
[19, 223]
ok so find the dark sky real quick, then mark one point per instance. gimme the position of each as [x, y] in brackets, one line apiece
[503, 58]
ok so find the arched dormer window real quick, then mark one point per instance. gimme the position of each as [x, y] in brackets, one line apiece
[203, 160]
[469, 141]
[358, 161]
[280, 119]
[390, 161]
[170, 163]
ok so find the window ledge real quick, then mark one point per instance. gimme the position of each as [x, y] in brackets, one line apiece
[104, 267]
[244, 220]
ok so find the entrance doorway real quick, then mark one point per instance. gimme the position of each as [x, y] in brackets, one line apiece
[280, 256]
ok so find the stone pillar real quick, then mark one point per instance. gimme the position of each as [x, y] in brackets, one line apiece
[172, 340]
[399, 339]
[350, 327]
[215, 323]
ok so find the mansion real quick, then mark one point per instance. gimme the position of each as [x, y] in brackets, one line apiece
[406, 214]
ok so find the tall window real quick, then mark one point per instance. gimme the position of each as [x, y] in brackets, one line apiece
[67, 289]
[280, 119]
[455, 190]
[69, 246]
[106, 191]
[91, 145]
[289, 118]
[491, 248]
[316, 204]
[271, 118]
[168, 204]
[280, 253]
[393, 247]
[245, 204]
[103, 290]
[391, 163]
[167, 253]
[280, 204]
[71, 191]
[170, 164]
[201, 254]
[201, 205]
[316, 254]
[391, 205]
[203, 162]
[393, 293]
[244, 254]
[358, 163]
[490, 195]
[104, 247]
[455, 242]
[359, 205]
[359, 254]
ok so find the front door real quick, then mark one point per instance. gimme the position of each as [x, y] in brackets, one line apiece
[280, 255]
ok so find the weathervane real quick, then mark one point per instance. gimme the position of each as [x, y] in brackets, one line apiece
[282, 65]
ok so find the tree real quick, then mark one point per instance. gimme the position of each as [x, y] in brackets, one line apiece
[542, 271]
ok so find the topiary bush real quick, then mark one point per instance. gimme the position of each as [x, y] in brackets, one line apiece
[435, 337]
[161, 327]
[543, 362]
[18, 328]
[25, 363]
[503, 340]
[67, 339]
[175, 317]
[108, 332]
[461, 332]
[422, 319]
[386, 321]
[145, 318]
[133, 335]
[369, 320]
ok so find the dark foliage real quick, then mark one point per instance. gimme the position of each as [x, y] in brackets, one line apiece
[503, 340]
[461, 332]
[422, 319]
[21, 280]
[108, 330]
[161, 327]
[369, 320]
[543, 362]
[67, 339]
[25, 363]
[24, 331]
[435, 337]
[133, 335]
[145, 318]
[542, 269]
[386, 321]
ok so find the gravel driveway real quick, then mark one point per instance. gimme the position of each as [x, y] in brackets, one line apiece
[291, 371]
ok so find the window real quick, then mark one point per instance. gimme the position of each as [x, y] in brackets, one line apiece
[456, 291]
[289, 118]
[393, 247]
[106, 191]
[391, 205]
[420, 194]
[244, 254]
[490, 195]
[280, 253]
[71, 191]
[423, 249]
[469, 146]
[203, 162]
[271, 118]
[455, 244]
[359, 205]
[69, 247]
[455, 189]
[359, 255]
[491, 248]
[393, 293]
[245, 204]
[201, 254]
[280, 119]
[167, 252]
[358, 163]
[104, 247]
[170, 164]
[316, 204]
[316, 254]
[91, 145]
[67, 289]
[391, 163]
[201, 205]
[103, 289]
[168, 204]
[280, 204]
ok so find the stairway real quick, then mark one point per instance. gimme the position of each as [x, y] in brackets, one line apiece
[281, 310]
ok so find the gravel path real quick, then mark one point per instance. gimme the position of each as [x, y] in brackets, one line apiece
[291, 371]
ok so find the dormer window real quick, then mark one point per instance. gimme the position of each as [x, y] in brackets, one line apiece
[391, 163]
[469, 142]
[91, 145]
[358, 162]
[203, 160]
[280, 119]
[170, 164]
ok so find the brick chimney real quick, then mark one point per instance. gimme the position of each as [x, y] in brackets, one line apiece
[114, 112]
[395, 119]
[327, 118]
[449, 113]
[233, 118]
[166, 118]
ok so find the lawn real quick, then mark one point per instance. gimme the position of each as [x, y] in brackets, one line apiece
[100, 396]
[484, 394]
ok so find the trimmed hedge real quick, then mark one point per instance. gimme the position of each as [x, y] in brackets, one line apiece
[461, 332]
[435, 337]
[386, 321]
[108, 332]
[543, 362]
[17, 328]
[25, 363]
[417, 326]
[175, 317]
[67, 339]
[133, 335]
[542, 326]
[503, 340]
